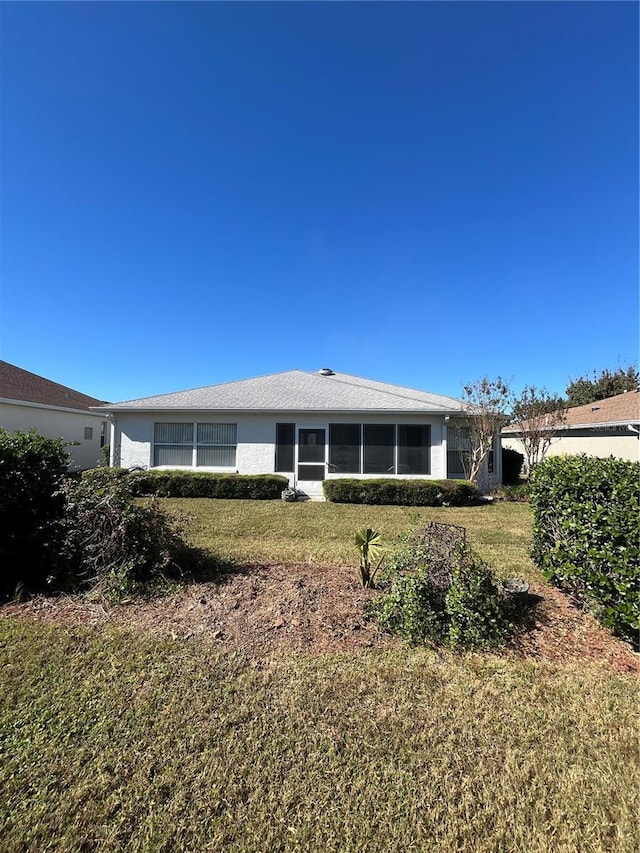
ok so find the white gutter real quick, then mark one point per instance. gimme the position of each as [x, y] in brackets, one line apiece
[197, 409]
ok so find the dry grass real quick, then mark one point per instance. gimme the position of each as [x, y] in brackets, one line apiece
[114, 741]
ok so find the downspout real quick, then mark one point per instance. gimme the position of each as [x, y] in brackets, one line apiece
[114, 453]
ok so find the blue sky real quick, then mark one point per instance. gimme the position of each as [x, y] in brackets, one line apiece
[420, 193]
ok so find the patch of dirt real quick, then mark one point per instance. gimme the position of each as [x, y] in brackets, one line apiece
[266, 609]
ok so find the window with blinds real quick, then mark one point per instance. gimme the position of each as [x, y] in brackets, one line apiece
[216, 445]
[201, 444]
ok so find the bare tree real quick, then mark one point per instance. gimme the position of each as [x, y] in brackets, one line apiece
[486, 402]
[537, 414]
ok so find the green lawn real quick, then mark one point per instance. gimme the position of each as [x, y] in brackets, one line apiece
[272, 531]
[112, 740]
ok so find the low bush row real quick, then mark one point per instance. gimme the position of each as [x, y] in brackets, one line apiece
[200, 484]
[401, 492]
[585, 534]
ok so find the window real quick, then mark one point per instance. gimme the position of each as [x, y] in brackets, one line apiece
[458, 447]
[215, 445]
[88, 433]
[413, 449]
[344, 448]
[173, 444]
[285, 440]
[379, 448]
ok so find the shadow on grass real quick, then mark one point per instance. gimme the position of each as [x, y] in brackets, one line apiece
[199, 565]
[527, 616]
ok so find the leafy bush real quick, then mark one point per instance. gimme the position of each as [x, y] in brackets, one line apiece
[512, 463]
[32, 472]
[113, 542]
[441, 591]
[389, 491]
[200, 484]
[512, 494]
[479, 612]
[585, 535]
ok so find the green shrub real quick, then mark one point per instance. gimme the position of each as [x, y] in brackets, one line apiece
[32, 472]
[585, 534]
[512, 463]
[200, 484]
[389, 491]
[512, 494]
[114, 543]
[441, 591]
[479, 612]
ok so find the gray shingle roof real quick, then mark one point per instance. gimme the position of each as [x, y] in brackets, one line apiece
[296, 390]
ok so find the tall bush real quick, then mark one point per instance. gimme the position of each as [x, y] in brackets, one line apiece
[512, 462]
[32, 505]
[115, 543]
[585, 536]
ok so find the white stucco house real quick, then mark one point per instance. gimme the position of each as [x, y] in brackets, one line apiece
[609, 427]
[29, 401]
[306, 426]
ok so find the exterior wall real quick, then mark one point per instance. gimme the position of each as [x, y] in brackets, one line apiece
[601, 442]
[132, 439]
[58, 423]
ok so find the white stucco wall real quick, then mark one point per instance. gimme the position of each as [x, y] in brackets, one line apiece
[132, 440]
[58, 423]
[620, 443]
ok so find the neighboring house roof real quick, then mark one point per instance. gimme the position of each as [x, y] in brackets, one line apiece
[21, 386]
[297, 390]
[620, 410]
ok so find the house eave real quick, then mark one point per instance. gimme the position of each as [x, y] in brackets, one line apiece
[92, 411]
[567, 427]
[275, 410]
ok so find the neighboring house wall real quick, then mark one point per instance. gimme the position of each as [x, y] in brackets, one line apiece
[132, 441]
[602, 441]
[62, 423]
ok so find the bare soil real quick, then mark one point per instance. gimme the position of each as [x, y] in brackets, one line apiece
[270, 609]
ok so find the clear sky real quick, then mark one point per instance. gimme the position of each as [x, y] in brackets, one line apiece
[420, 193]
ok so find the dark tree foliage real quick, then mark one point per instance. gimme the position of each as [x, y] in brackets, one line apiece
[32, 505]
[599, 386]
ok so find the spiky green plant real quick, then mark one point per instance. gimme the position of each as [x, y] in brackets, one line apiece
[370, 546]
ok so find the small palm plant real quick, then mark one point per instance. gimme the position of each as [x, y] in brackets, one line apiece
[370, 546]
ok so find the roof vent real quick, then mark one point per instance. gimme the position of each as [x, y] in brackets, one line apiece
[326, 371]
[595, 408]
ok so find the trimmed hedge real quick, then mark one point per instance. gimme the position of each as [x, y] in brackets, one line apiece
[200, 484]
[401, 492]
[585, 536]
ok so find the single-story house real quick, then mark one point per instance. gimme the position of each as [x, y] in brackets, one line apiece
[307, 426]
[29, 401]
[609, 427]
